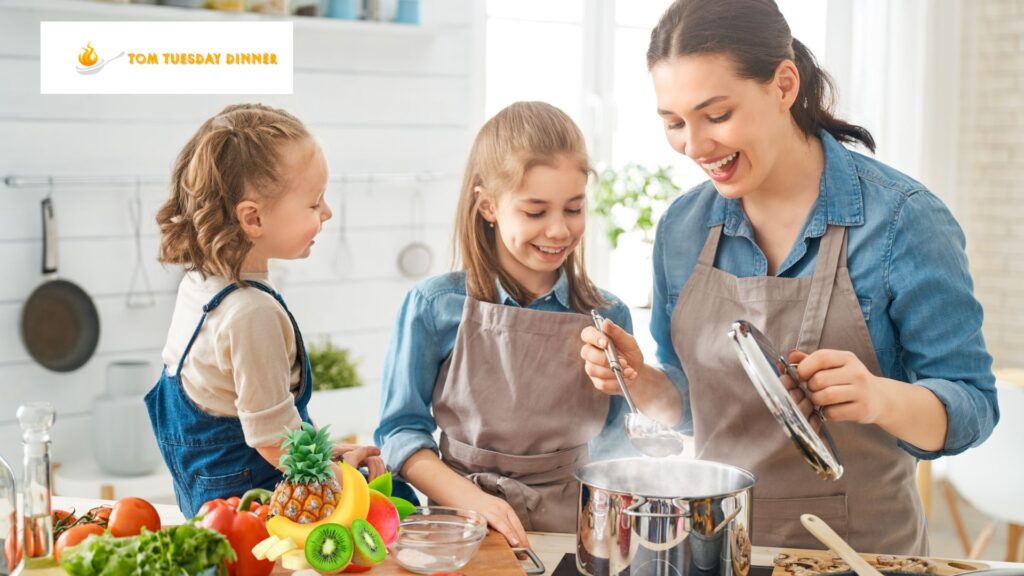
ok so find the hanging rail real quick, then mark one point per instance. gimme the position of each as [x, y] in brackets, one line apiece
[14, 181]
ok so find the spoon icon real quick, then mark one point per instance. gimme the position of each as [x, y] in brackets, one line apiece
[650, 437]
[97, 66]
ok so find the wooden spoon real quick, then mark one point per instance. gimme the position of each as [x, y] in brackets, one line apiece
[824, 533]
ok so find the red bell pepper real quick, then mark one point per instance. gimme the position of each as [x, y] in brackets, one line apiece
[243, 522]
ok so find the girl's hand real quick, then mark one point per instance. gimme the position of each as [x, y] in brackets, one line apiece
[597, 367]
[500, 516]
[840, 383]
[359, 456]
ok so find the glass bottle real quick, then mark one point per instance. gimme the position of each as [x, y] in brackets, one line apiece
[36, 419]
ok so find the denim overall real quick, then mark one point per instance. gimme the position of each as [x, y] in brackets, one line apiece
[207, 454]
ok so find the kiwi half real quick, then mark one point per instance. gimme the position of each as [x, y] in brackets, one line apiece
[369, 546]
[329, 548]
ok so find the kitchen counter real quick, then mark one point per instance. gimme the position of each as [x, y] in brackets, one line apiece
[549, 547]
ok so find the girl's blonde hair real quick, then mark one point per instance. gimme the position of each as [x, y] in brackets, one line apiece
[233, 156]
[520, 137]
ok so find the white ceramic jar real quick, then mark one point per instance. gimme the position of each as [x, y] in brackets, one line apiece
[123, 441]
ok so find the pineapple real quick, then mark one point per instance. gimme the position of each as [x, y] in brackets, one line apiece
[309, 490]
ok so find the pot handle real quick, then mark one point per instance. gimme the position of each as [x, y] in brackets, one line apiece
[682, 507]
[535, 566]
[728, 519]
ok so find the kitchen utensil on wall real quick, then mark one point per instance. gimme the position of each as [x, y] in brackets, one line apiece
[123, 441]
[646, 517]
[145, 298]
[647, 435]
[770, 371]
[60, 326]
[415, 259]
[823, 532]
[343, 259]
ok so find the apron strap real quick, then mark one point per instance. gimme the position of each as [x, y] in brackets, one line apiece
[707, 254]
[831, 251]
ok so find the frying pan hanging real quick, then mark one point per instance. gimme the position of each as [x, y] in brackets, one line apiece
[59, 323]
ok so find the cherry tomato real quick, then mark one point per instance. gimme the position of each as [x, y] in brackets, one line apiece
[74, 536]
[130, 515]
[59, 515]
[100, 514]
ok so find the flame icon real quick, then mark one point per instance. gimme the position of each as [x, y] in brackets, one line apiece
[88, 56]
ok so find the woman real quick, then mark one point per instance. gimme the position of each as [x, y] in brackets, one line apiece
[831, 253]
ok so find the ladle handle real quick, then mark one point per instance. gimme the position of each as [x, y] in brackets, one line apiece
[824, 533]
[613, 360]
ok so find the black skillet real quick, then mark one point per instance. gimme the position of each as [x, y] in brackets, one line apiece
[59, 323]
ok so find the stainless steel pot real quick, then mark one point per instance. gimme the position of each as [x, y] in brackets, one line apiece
[647, 517]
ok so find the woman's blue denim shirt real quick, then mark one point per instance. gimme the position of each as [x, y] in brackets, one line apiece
[909, 270]
[424, 336]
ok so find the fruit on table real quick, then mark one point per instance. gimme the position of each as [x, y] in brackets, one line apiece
[240, 522]
[383, 515]
[259, 551]
[354, 503]
[73, 536]
[368, 547]
[130, 515]
[280, 548]
[329, 548]
[295, 560]
[309, 491]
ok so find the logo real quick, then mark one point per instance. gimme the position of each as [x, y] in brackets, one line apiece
[89, 62]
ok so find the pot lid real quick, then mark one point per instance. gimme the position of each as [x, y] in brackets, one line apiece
[769, 371]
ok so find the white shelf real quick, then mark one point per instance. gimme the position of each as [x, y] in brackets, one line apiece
[148, 12]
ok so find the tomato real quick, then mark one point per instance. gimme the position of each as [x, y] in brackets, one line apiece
[74, 536]
[101, 514]
[59, 515]
[130, 515]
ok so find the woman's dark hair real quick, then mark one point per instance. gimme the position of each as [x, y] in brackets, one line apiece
[757, 38]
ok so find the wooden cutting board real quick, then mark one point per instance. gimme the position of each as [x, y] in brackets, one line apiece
[943, 567]
[494, 558]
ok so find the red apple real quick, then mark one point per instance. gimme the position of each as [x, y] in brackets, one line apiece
[384, 517]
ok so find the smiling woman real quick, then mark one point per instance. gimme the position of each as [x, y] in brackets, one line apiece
[796, 232]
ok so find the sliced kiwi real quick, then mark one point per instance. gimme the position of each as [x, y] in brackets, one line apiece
[369, 545]
[329, 548]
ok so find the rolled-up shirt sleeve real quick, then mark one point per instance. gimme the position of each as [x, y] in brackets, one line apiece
[259, 344]
[939, 321]
[411, 366]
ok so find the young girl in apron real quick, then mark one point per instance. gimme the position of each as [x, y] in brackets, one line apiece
[829, 252]
[248, 187]
[490, 354]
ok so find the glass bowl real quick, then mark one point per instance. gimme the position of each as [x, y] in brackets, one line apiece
[438, 539]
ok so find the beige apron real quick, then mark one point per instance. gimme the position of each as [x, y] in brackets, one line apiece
[516, 409]
[875, 505]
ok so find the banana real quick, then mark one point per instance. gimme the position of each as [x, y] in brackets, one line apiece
[259, 551]
[355, 503]
[295, 560]
[279, 549]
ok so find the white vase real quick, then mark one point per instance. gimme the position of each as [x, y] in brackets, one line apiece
[347, 410]
[123, 441]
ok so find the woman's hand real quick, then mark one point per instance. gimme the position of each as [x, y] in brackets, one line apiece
[597, 367]
[843, 386]
[358, 456]
[803, 403]
[500, 516]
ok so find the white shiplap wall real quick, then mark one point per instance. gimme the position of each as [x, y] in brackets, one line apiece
[379, 98]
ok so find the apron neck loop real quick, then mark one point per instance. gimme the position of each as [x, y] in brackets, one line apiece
[831, 252]
[707, 254]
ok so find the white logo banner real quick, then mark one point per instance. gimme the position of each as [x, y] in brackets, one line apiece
[165, 58]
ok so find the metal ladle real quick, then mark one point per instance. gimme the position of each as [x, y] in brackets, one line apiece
[650, 437]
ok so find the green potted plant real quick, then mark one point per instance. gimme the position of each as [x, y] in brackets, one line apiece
[630, 199]
[339, 397]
